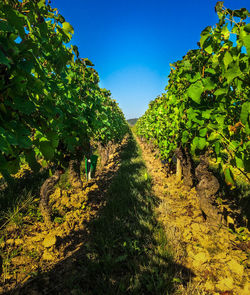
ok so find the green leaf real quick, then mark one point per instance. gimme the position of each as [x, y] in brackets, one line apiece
[195, 91]
[41, 3]
[185, 136]
[209, 49]
[220, 91]
[198, 143]
[75, 49]
[219, 6]
[247, 164]
[4, 146]
[18, 135]
[67, 28]
[227, 59]
[208, 84]
[245, 37]
[26, 66]
[220, 120]
[4, 60]
[53, 138]
[15, 19]
[24, 142]
[3, 162]
[233, 72]
[6, 27]
[247, 28]
[241, 13]
[206, 114]
[233, 145]
[211, 71]
[13, 166]
[88, 62]
[202, 143]
[204, 35]
[239, 162]
[203, 132]
[229, 177]
[245, 111]
[196, 77]
[30, 157]
[213, 136]
[225, 32]
[217, 148]
[24, 106]
[47, 150]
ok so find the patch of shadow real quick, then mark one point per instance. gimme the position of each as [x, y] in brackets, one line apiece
[125, 251]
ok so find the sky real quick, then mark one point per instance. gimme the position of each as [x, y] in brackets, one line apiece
[132, 42]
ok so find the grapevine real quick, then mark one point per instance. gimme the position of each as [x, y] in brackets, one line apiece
[51, 105]
[206, 106]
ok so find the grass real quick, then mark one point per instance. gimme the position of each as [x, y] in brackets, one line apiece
[16, 198]
[127, 252]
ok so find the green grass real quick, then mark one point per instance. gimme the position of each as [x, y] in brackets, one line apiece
[17, 198]
[127, 252]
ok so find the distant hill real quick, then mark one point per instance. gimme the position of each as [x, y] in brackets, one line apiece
[132, 121]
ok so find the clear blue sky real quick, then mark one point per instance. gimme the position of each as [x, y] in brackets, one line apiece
[132, 42]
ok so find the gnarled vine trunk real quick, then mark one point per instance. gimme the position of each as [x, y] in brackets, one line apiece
[105, 152]
[74, 169]
[74, 173]
[46, 190]
[184, 166]
[1, 265]
[207, 187]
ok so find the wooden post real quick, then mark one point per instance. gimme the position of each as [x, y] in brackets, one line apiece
[178, 170]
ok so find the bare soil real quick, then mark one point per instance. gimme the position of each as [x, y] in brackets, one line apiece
[208, 258]
[218, 257]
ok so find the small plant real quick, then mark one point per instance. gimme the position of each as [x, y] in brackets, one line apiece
[14, 216]
[242, 234]
[59, 220]
[33, 254]
[7, 257]
[64, 183]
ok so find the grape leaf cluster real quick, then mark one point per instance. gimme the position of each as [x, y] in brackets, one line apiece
[206, 106]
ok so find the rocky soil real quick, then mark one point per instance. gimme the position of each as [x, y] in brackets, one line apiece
[218, 257]
[31, 248]
[215, 257]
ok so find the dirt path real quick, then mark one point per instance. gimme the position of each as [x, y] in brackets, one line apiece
[109, 241]
[213, 254]
[131, 230]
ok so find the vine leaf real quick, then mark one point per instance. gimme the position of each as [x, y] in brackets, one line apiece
[67, 28]
[229, 178]
[247, 28]
[204, 35]
[239, 162]
[195, 91]
[4, 60]
[245, 37]
[220, 91]
[245, 111]
[198, 143]
[203, 132]
[233, 72]
[227, 59]
[47, 150]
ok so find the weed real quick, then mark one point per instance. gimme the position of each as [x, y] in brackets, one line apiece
[7, 257]
[64, 183]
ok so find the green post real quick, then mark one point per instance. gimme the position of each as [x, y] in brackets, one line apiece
[87, 168]
[93, 160]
